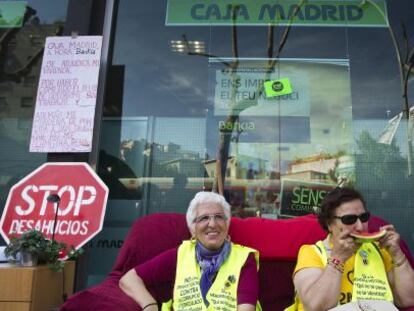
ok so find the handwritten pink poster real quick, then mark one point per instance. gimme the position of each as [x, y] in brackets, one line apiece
[66, 96]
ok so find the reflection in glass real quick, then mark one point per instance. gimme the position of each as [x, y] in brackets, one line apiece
[176, 130]
[21, 51]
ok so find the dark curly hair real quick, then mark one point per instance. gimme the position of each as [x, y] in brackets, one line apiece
[333, 200]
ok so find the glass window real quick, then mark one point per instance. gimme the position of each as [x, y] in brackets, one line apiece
[26, 102]
[307, 104]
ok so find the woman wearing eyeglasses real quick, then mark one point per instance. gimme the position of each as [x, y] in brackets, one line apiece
[339, 269]
[208, 272]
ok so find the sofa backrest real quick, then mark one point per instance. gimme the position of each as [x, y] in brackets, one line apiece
[275, 239]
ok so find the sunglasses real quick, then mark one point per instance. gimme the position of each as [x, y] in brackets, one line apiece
[352, 218]
[203, 219]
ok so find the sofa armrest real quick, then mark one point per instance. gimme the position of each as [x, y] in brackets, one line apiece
[150, 236]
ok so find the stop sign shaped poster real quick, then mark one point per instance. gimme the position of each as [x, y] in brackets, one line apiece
[79, 214]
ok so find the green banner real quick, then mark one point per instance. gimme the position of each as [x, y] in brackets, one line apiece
[300, 197]
[12, 13]
[353, 13]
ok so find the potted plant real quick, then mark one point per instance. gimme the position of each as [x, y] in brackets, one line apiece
[34, 248]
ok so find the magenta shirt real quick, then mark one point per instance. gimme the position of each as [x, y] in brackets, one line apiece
[161, 269]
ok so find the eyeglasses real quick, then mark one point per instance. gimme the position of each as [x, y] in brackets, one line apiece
[352, 218]
[204, 219]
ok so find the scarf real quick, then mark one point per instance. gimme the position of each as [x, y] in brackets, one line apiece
[210, 262]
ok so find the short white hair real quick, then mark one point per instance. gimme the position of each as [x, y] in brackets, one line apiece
[206, 197]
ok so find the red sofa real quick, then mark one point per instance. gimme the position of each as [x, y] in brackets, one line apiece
[277, 240]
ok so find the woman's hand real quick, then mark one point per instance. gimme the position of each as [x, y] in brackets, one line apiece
[391, 242]
[344, 246]
[401, 277]
[132, 285]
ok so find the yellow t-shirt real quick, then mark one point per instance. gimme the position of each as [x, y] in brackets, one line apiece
[309, 258]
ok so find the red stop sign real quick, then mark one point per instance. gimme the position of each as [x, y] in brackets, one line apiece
[79, 215]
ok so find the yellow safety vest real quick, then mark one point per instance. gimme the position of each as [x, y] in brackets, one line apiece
[370, 276]
[223, 293]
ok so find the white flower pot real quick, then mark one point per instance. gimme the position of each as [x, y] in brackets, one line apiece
[28, 259]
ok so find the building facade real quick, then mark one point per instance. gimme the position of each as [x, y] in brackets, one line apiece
[210, 95]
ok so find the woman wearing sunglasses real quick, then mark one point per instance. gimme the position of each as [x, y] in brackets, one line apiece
[208, 272]
[339, 269]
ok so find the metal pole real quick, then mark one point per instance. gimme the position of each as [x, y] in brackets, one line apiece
[55, 199]
[55, 221]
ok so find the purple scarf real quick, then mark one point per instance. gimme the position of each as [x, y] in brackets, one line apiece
[210, 262]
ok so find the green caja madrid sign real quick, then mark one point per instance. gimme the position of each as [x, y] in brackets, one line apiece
[12, 13]
[352, 13]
